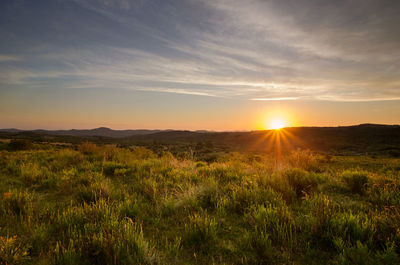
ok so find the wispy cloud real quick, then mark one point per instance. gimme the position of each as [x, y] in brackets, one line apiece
[9, 58]
[274, 99]
[257, 50]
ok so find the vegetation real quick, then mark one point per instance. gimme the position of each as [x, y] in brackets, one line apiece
[100, 204]
[363, 139]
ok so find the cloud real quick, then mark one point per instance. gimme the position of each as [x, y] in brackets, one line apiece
[257, 50]
[274, 99]
[8, 58]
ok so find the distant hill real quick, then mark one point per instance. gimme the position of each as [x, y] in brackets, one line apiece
[101, 131]
[358, 139]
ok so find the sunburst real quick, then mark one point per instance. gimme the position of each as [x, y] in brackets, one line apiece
[277, 124]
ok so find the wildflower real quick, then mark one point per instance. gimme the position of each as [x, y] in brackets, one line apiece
[7, 195]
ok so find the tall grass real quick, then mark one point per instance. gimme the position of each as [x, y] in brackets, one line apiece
[98, 204]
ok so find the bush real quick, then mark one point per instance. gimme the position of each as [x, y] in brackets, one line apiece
[12, 250]
[305, 160]
[95, 234]
[204, 196]
[94, 192]
[276, 221]
[242, 199]
[302, 181]
[17, 203]
[357, 181]
[385, 190]
[322, 213]
[394, 153]
[386, 225]
[388, 255]
[360, 253]
[129, 209]
[259, 242]
[88, 148]
[353, 254]
[352, 228]
[201, 231]
[111, 169]
[21, 144]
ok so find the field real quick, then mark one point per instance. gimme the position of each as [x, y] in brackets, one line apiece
[100, 204]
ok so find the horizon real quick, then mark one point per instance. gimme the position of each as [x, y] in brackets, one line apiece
[198, 65]
[197, 130]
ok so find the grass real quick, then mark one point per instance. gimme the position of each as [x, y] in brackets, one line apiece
[92, 204]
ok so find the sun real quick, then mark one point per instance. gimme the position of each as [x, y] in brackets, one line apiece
[277, 124]
[275, 120]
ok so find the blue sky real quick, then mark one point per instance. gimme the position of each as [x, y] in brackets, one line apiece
[223, 65]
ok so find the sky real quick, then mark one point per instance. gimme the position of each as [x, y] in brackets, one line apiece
[198, 64]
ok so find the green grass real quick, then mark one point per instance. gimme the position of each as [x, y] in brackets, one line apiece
[91, 204]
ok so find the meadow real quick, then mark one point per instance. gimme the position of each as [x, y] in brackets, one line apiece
[101, 204]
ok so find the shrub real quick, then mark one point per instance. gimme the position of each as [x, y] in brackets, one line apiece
[259, 243]
[353, 254]
[385, 191]
[302, 181]
[357, 181]
[67, 255]
[130, 209]
[322, 212]
[174, 246]
[207, 195]
[95, 234]
[12, 250]
[111, 169]
[394, 153]
[279, 184]
[201, 231]
[352, 228]
[20, 144]
[201, 164]
[17, 203]
[203, 196]
[224, 173]
[388, 255]
[94, 192]
[386, 225]
[241, 199]
[87, 148]
[304, 159]
[142, 153]
[119, 244]
[276, 221]
[39, 241]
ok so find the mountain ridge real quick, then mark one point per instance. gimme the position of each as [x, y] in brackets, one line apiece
[126, 133]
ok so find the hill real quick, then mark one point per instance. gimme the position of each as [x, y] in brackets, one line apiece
[360, 139]
[101, 131]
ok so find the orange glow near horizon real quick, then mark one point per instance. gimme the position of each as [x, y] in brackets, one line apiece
[275, 119]
[277, 124]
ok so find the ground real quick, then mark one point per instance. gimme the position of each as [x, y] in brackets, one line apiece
[98, 204]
